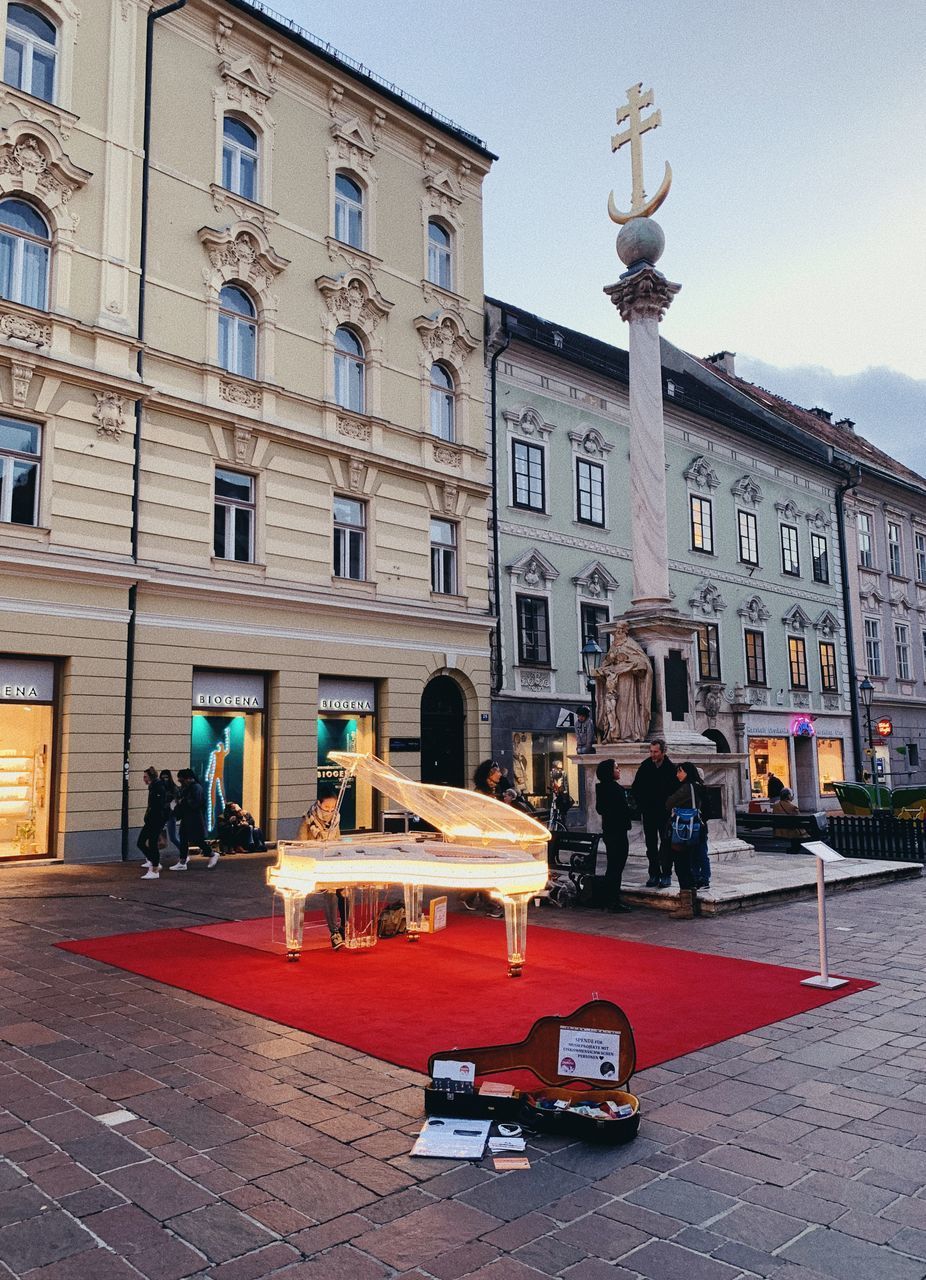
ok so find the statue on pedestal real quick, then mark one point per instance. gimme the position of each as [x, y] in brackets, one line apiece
[624, 690]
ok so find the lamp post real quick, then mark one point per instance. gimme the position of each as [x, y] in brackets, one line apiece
[592, 653]
[866, 692]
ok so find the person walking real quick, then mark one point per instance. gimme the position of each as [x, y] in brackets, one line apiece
[585, 732]
[611, 804]
[692, 866]
[322, 821]
[156, 812]
[191, 811]
[653, 783]
[486, 781]
[171, 790]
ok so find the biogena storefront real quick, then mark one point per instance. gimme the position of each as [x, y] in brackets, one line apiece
[27, 756]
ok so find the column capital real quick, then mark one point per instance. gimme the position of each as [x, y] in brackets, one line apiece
[642, 294]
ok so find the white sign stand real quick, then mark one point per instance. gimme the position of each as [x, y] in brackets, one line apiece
[823, 853]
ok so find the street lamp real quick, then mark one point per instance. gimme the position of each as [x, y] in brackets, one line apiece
[866, 692]
[592, 653]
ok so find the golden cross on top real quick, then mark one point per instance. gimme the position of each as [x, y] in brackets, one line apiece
[640, 206]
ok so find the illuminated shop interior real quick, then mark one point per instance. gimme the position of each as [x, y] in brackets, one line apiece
[25, 764]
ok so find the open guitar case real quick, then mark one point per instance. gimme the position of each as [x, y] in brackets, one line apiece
[538, 1053]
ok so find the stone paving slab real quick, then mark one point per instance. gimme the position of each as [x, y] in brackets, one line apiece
[795, 1152]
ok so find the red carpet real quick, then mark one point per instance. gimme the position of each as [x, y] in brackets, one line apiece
[402, 1001]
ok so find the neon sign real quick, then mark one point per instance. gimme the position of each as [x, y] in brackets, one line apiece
[802, 727]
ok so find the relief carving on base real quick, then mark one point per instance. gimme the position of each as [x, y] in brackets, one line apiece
[24, 328]
[239, 393]
[109, 415]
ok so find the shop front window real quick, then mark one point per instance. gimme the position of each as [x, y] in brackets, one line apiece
[540, 762]
[346, 733]
[25, 763]
[227, 756]
[830, 764]
[768, 756]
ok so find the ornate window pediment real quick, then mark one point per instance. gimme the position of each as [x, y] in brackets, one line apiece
[355, 143]
[900, 603]
[746, 489]
[445, 194]
[700, 474]
[818, 520]
[707, 600]
[590, 442]
[247, 85]
[754, 611]
[787, 510]
[241, 252]
[533, 570]
[444, 337]
[353, 298]
[527, 421]
[827, 624]
[33, 163]
[872, 598]
[595, 581]
[796, 619]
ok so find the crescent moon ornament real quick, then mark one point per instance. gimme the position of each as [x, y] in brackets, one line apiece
[648, 206]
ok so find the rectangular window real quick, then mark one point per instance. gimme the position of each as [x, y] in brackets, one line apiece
[830, 764]
[233, 516]
[443, 557]
[702, 524]
[913, 755]
[708, 651]
[797, 662]
[819, 551]
[828, 679]
[873, 646]
[350, 519]
[594, 616]
[20, 446]
[902, 650]
[920, 540]
[755, 657]
[894, 553]
[589, 492]
[529, 485]
[533, 631]
[790, 561]
[865, 554]
[748, 527]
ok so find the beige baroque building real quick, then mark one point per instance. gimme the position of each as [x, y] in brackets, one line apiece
[243, 487]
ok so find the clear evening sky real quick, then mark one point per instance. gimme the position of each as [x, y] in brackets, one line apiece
[795, 132]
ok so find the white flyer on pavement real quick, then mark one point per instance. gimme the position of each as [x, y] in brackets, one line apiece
[451, 1139]
[589, 1054]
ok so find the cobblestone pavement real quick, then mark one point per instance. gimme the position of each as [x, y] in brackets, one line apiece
[794, 1152]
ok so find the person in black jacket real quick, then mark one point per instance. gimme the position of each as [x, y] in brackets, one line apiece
[155, 818]
[611, 803]
[191, 810]
[654, 782]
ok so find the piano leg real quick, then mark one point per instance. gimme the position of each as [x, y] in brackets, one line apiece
[294, 917]
[516, 931]
[414, 897]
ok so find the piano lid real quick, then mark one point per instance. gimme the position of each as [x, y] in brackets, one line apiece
[460, 815]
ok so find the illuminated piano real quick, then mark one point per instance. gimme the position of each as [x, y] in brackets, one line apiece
[479, 844]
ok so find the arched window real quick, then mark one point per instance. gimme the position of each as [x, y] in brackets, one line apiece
[30, 54]
[440, 258]
[443, 405]
[25, 245]
[349, 371]
[239, 159]
[348, 211]
[237, 332]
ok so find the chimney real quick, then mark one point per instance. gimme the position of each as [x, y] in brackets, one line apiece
[846, 424]
[724, 361]
[823, 414]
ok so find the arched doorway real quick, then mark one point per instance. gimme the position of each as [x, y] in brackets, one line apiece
[723, 747]
[443, 757]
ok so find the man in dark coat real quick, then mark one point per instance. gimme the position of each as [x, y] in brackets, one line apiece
[153, 824]
[191, 810]
[654, 782]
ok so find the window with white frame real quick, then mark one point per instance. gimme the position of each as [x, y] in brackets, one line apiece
[701, 513]
[589, 492]
[754, 642]
[349, 371]
[919, 540]
[443, 557]
[820, 557]
[30, 54]
[25, 251]
[233, 516]
[443, 403]
[440, 255]
[20, 448]
[533, 631]
[591, 617]
[790, 559]
[873, 646]
[348, 211]
[350, 519]
[528, 489]
[902, 650]
[748, 529]
[829, 681]
[708, 651]
[797, 662]
[894, 549]
[237, 332]
[865, 548]
[239, 158]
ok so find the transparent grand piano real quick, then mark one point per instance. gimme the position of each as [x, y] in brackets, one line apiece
[479, 844]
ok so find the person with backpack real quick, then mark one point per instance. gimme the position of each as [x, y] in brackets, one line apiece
[191, 810]
[688, 835]
[611, 804]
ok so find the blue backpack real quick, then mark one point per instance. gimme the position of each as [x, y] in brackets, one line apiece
[687, 827]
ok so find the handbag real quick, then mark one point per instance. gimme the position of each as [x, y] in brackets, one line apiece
[687, 826]
[391, 920]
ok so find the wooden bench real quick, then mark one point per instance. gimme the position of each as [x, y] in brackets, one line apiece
[806, 826]
[575, 854]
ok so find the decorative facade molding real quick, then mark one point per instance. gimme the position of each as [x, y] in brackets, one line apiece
[444, 337]
[21, 372]
[758, 697]
[354, 428]
[109, 414]
[700, 474]
[33, 162]
[356, 475]
[24, 328]
[355, 145]
[590, 442]
[241, 252]
[643, 294]
[444, 195]
[747, 489]
[872, 598]
[595, 581]
[533, 569]
[796, 619]
[450, 493]
[754, 611]
[247, 86]
[445, 455]
[243, 445]
[533, 681]
[900, 604]
[353, 298]
[240, 208]
[48, 114]
[526, 420]
[787, 510]
[827, 624]
[223, 29]
[818, 520]
[707, 600]
[831, 701]
[240, 393]
[800, 700]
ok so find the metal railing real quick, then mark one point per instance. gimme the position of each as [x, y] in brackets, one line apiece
[880, 836]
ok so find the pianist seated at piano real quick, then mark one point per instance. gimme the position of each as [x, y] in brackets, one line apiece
[322, 821]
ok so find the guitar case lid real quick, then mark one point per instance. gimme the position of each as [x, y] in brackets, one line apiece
[538, 1052]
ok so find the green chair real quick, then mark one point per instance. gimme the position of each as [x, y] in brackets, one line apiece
[854, 798]
[880, 795]
[909, 798]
